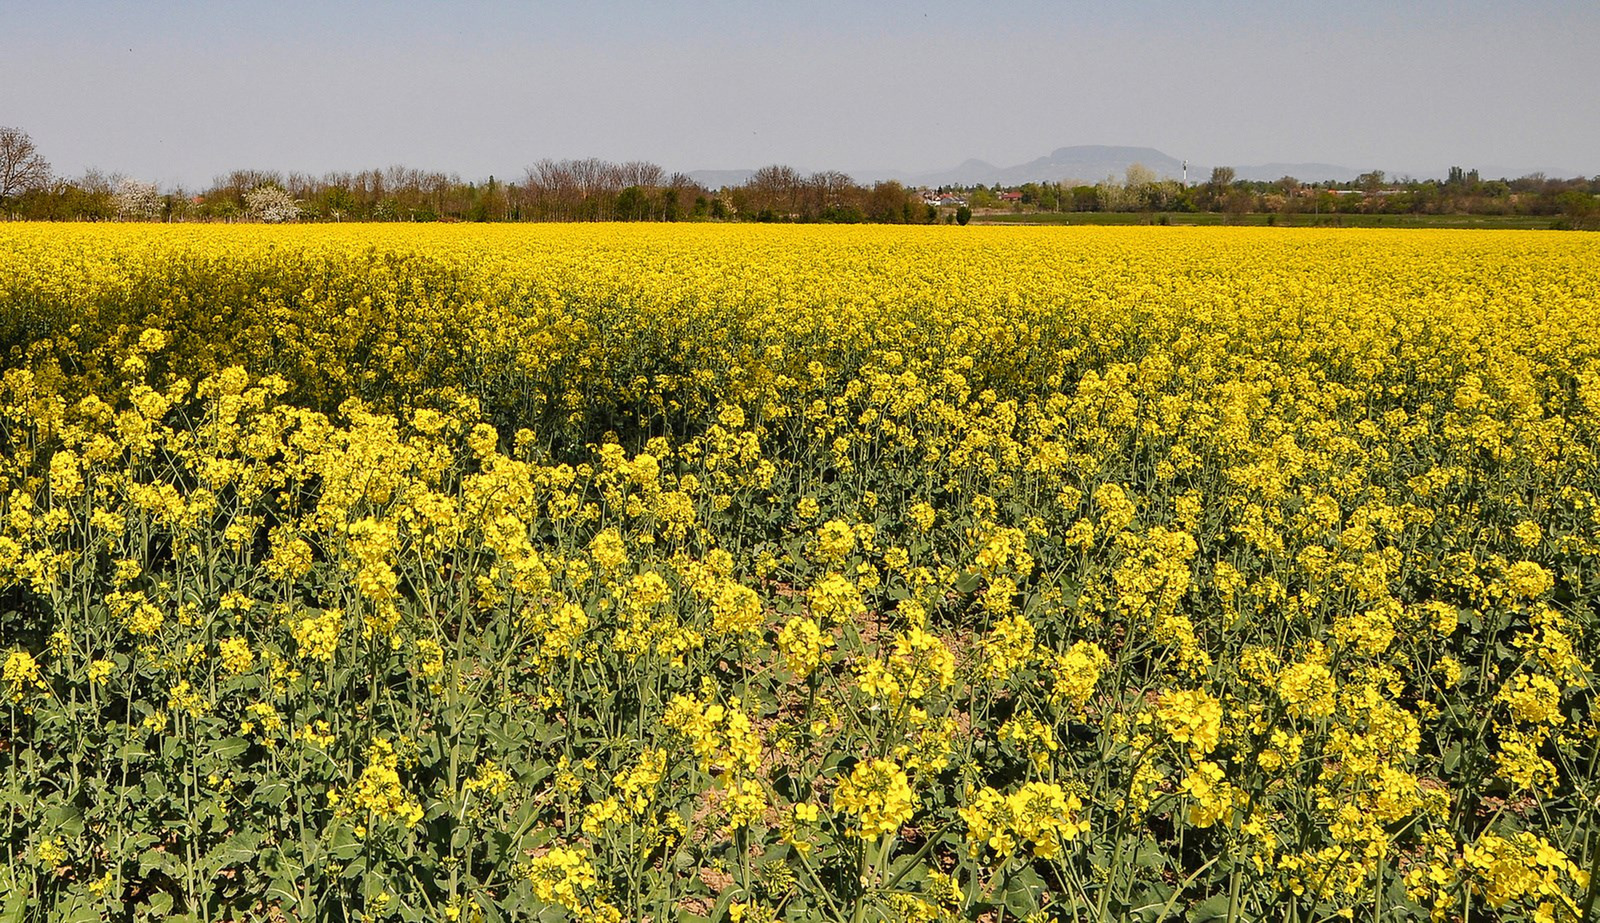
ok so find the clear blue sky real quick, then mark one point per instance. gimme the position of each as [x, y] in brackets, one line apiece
[179, 92]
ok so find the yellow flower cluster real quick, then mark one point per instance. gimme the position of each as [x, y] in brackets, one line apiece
[566, 878]
[722, 737]
[878, 796]
[235, 655]
[802, 645]
[317, 636]
[1075, 673]
[1009, 647]
[379, 791]
[21, 675]
[1193, 717]
[1523, 871]
[1038, 814]
[918, 664]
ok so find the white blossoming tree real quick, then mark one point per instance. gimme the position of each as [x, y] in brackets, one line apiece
[270, 204]
[137, 201]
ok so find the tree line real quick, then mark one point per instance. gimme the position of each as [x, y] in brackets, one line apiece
[588, 189]
[1575, 201]
[592, 189]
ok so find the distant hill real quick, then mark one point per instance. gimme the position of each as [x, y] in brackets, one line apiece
[1088, 163]
[1084, 163]
[1091, 163]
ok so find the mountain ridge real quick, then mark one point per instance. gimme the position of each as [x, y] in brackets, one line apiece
[1093, 163]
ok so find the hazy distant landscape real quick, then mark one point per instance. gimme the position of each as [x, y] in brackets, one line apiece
[1084, 185]
[1091, 163]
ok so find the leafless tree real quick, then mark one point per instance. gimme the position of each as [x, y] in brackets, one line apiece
[684, 192]
[233, 186]
[776, 190]
[587, 189]
[552, 189]
[96, 182]
[369, 187]
[823, 191]
[642, 173]
[1138, 175]
[22, 167]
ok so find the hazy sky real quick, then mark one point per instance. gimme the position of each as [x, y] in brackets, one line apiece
[179, 92]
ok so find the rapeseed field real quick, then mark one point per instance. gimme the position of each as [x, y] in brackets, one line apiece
[798, 573]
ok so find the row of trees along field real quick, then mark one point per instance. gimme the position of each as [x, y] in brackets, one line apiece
[1461, 192]
[599, 190]
[550, 190]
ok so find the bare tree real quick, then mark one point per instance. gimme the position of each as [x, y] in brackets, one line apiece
[437, 188]
[369, 187]
[775, 191]
[552, 189]
[22, 167]
[642, 173]
[825, 190]
[96, 182]
[588, 189]
[681, 191]
[301, 185]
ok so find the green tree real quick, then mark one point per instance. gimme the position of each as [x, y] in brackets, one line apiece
[633, 204]
[1216, 191]
[1083, 199]
[1579, 210]
[963, 215]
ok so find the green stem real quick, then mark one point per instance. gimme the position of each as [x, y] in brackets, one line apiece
[1233, 894]
[1586, 913]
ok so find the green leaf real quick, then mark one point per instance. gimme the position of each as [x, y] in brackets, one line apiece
[157, 859]
[1023, 888]
[82, 910]
[497, 846]
[229, 748]
[490, 908]
[1452, 756]
[16, 906]
[1214, 907]
[344, 845]
[272, 795]
[65, 820]
[236, 849]
[1148, 855]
